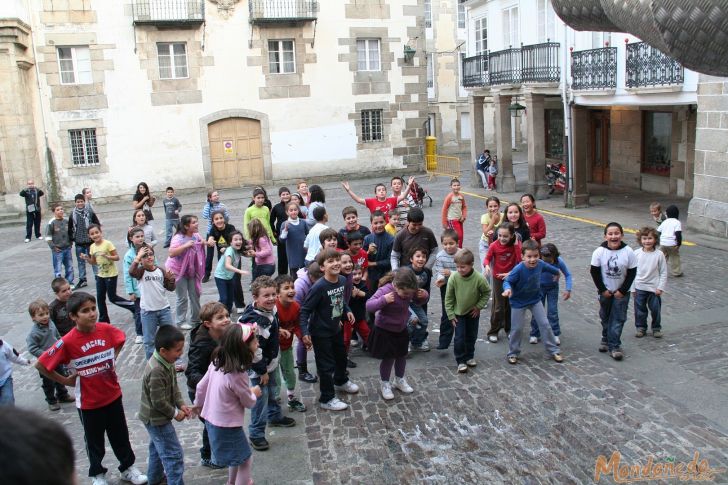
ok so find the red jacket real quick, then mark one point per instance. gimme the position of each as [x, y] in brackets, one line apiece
[504, 258]
[536, 225]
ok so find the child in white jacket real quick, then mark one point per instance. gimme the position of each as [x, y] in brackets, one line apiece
[649, 284]
[8, 355]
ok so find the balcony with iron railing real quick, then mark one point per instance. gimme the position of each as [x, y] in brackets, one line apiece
[168, 12]
[475, 71]
[648, 67]
[272, 11]
[594, 69]
[535, 63]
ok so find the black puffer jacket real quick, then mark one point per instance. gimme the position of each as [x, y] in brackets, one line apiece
[199, 355]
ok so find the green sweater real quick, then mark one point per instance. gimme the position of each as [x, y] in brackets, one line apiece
[463, 294]
[160, 393]
[262, 214]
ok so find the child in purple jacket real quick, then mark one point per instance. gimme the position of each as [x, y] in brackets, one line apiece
[389, 339]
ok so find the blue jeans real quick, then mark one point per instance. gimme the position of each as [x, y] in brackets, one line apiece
[7, 397]
[644, 300]
[263, 270]
[65, 258]
[417, 332]
[151, 321]
[81, 249]
[165, 455]
[550, 300]
[266, 408]
[466, 333]
[613, 314]
[169, 225]
[226, 289]
[138, 316]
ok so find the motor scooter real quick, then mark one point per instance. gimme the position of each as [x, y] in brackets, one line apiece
[556, 177]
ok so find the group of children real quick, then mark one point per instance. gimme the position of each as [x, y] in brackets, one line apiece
[356, 281]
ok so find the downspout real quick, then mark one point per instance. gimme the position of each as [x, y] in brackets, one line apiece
[569, 194]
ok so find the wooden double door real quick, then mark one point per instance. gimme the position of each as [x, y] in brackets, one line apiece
[599, 146]
[235, 152]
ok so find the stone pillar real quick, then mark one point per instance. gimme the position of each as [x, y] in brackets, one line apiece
[708, 209]
[19, 157]
[536, 146]
[477, 137]
[505, 180]
[579, 132]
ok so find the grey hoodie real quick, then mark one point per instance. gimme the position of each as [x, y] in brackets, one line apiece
[41, 338]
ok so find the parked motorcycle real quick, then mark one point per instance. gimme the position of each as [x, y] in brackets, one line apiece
[556, 177]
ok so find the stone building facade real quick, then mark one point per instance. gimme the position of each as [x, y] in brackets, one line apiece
[206, 93]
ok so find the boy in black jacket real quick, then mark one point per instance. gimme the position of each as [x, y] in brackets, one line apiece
[204, 340]
[262, 373]
[321, 316]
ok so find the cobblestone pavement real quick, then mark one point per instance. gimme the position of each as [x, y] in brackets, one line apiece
[537, 422]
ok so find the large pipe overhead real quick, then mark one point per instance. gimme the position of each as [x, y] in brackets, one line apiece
[694, 32]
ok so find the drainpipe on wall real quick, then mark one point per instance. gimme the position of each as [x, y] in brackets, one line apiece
[52, 175]
[569, 193]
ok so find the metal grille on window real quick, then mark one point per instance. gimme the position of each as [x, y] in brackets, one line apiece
[84, 149]
[371, 125]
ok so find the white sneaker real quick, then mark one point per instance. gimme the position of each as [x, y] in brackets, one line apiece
[493, 338]
[425, 347]
[348, 387]
[334, 405]
[533, 340]
[99, 479]
[401, 384]
[133, 475]
[471, 363]
[186, 326]
[28, 240]
[139, 339]
[462, 368]
[387, 393]
[557, 340]
[354, 343]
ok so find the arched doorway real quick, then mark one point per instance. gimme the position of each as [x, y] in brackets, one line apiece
[236, 154]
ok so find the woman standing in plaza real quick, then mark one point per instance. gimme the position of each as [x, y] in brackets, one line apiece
[187, 262]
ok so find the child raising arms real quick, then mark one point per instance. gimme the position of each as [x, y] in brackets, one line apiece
[222, 396]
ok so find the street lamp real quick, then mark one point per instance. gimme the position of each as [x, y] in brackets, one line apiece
[515, 108]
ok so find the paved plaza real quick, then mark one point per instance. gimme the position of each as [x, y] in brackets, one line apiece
[537, 422]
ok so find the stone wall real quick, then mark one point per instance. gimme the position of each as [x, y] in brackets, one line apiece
[708, 209]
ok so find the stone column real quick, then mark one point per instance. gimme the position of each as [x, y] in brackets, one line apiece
[19, 157]
[536, 146]
[477, 137]
[579, 132]
[708, 209]
[505, 180]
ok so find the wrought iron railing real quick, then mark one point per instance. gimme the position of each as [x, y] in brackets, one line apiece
[540, 62]
[536, 63]
[282, 10]
[168, 11]
[594, 68]
[506, 66]
[475, 71]
[647, 66]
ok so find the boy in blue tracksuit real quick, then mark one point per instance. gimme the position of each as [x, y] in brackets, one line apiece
[550, 292]
[523, 287]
